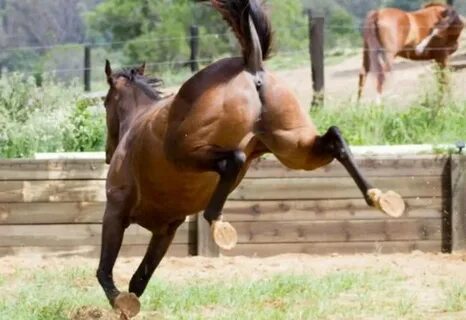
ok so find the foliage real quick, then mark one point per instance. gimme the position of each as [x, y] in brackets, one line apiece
[156, 31]
[422, 123]
[44, 119]
[84, 129]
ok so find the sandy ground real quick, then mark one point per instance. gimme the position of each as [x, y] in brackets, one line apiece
[423, 271]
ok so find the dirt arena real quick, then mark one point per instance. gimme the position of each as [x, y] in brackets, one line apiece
[423, 273]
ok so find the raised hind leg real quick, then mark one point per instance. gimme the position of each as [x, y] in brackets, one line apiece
[157, 249]
[229, 164]
[288, 132]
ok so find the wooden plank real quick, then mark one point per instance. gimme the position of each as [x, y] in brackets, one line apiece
[249, 189]
[339, 209]
[51, 212]
[371, 166]
[267, 167]
[339, 231]
[332, 188]
[54, 212]
[74, 169]
[177, 250]
[458, 204]
[92, 212]
[78, 235]
[270, 249]
[53, 191]
[206, 245]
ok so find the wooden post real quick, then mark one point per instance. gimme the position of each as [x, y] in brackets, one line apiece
[194, 44]
[206, 245]
[316, 50]
[87, 68]
[458, 205]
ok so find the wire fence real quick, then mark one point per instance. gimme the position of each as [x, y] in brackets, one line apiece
[79, 69]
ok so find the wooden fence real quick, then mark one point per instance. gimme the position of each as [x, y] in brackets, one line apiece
[56, 206]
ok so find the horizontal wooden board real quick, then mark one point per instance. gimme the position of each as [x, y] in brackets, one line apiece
[249, 189]
[271, 249]
[75, 169]
[79, 235]
[92, 212]
[53, 191]
[332, 188]
[267, 167]
[338, 231]
[371, 166]
[339, 209]
[176, 250]
[54, 212]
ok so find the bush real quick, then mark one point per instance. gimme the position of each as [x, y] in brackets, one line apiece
[51, 118]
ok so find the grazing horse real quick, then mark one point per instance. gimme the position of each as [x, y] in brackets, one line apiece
[431, 33]
[185, 153]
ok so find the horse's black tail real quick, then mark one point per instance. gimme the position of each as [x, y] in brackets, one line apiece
[251, 26]
[374, 46]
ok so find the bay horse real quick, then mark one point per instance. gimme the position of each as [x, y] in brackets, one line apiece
[431, 33]
[184, 154]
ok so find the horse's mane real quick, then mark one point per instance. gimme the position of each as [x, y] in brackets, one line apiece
[433, 4]
[148, 85]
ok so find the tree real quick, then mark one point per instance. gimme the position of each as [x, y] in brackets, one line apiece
[29, 23]
[156, 31]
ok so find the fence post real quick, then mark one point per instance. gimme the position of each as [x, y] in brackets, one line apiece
[316, 50]
[87, 68]
[206, 245]
[194, 44]
[458, 202]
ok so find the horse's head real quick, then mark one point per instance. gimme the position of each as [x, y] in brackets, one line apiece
[445, 31]
[129, 90]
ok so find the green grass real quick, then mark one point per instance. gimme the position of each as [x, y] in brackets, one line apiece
[52, 295]
[424, 122]
[455, 297]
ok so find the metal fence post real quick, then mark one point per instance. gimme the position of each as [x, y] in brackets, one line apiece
[316, 50]
[87, 68]
[194, 44]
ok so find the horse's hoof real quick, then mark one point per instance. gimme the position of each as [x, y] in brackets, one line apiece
[390, 202]
[224, 234]
[128, 304]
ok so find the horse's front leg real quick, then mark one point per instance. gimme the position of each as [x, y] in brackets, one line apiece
[114, 224]
[157, 249]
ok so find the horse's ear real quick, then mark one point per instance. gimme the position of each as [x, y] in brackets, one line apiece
[141, 69]
[108, 69]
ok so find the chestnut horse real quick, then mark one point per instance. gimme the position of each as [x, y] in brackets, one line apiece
[185, 154]
[431, 33]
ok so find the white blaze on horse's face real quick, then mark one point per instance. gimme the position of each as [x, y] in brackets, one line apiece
[421, 47]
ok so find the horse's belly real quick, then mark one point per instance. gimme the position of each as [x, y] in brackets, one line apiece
[176, 194]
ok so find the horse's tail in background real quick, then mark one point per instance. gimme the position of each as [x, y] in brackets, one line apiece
[251, 25]
[374, 46]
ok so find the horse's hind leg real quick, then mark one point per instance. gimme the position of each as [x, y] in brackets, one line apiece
[229, 165]
[364, 71]
[157, 249]
[332, 143]
[301, 148]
